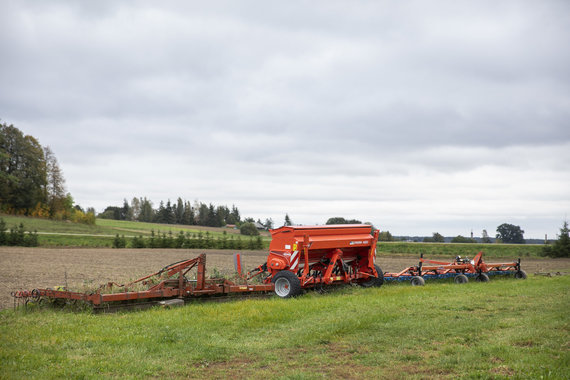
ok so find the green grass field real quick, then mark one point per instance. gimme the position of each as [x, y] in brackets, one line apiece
[503, 329]
[103, 227]
[66, 234]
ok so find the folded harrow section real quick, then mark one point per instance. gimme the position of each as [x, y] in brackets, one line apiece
[461, 269]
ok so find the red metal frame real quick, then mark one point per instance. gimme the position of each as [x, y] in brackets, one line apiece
[324, 254]
[458, 266]
[168, 287]
[317, 255]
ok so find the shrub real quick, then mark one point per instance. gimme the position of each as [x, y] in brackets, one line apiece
[180, 239]
[3, 236]
[138, 242]
[462, 239]
[248, 229]
[258, 243]
[31, 239]
[119, 241]
[17, 236]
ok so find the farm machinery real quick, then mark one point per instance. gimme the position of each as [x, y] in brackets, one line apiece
[300, 257]
[461, 269]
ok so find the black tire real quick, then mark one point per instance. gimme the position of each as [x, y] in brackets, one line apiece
[482, 277]
[461, 279]
[521, 275]
[287, 284]
[374, 281]
[417, 281]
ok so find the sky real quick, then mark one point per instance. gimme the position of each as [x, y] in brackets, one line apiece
[416, 116]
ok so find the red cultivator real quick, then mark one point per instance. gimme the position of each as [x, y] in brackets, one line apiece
[460, 270]
[299, 257]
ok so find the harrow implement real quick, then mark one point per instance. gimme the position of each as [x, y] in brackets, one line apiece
[461, 269]
[168, 283]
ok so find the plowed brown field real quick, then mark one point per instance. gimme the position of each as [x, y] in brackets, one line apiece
[28, 268]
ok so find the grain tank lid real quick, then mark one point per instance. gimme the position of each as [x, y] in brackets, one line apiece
[326, 230]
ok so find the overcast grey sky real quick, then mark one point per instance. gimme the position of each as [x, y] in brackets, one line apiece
[418, 116]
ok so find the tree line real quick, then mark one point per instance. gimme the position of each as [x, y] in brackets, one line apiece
[506, 233]
[31, 181]
[182, 212]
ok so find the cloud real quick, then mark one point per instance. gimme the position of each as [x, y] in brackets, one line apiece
[410, 115]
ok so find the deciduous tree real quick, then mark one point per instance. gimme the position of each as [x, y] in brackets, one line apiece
[55, 183]
[341, 220]
[511, 234]
[23, 177]
[385, 236]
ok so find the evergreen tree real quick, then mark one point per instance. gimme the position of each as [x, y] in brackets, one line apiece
[485, 237]
[288, 220]
[561, 247]
[188, 214]
[234, 217]
[180, 211]
[169, 213]
[126, 212]
[160, 214]
[211, 219]
[222, 214]
[203, 214]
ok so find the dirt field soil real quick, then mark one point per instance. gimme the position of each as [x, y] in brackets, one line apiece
[29, 268]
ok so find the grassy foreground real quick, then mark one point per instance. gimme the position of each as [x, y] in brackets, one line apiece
[501, 329]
